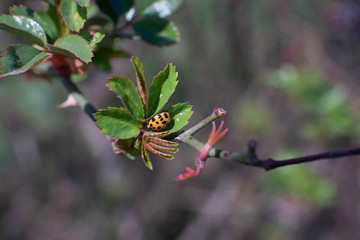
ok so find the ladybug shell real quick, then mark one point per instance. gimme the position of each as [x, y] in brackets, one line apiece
[159, 121]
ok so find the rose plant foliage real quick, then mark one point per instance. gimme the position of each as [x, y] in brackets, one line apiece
[69, 35]
[129, 125]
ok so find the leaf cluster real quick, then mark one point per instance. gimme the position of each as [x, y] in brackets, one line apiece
[140, 105]
[71, 33]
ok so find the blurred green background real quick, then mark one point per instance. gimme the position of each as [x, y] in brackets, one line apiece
[287, 73]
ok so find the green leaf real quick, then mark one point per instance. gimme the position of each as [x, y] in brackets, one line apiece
[101, 62]
[117, 123]
[151, 148]
[83, 3]
[74, 15]
[128, 94]
[140, 80]
[23, 27]
[97, 37]
[20, 58]
[113, 52]
[51, 2]
[86, 35]
[103, 55]
[105, 51]
[107, 10]
[121, 6]
[162, 88]
[73, 46]
[179, 116]
[43, 20]
[157, 31]
[109, 48]
[159, 8]
[49, 26]
[145, 157]
[128, 147]
[99, 22]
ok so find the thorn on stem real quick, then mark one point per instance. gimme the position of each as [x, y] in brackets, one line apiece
[270, 164]
[69, 102]
[252, 148]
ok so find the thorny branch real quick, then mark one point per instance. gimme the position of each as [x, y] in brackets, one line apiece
[89, 109]
[249, 158]
[271, 164]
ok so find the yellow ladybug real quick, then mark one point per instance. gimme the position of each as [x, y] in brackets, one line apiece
[159, 121]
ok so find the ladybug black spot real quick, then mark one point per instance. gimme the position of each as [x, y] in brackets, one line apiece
[164, 122]
[159, 127]
[165, 115]
[151, 125]
[159, 116]
[161, 119]
[153, 119]
[157, 122]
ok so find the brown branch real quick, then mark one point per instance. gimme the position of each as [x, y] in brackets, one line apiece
[270, 164]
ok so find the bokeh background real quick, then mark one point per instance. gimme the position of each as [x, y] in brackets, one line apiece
[287, 73]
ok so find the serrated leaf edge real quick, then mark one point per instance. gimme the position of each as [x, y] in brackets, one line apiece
[187, 120]
[81, 5]
[157, 134]
[176, 29]
[35, 64]
[145, 155]
[45, 44]
[160, 154]
[101, 129]
[92, 51]
[177, 81]
[64, 18]
[162, 142]
[162, 148]
[121, 98]
[142, 92]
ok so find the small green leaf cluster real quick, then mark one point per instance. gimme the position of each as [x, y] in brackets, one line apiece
[147, 17]
[72, 29]
[48, 32]
[140, 105]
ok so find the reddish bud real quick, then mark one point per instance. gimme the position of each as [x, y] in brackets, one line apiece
[190, 173]
[219, 111]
